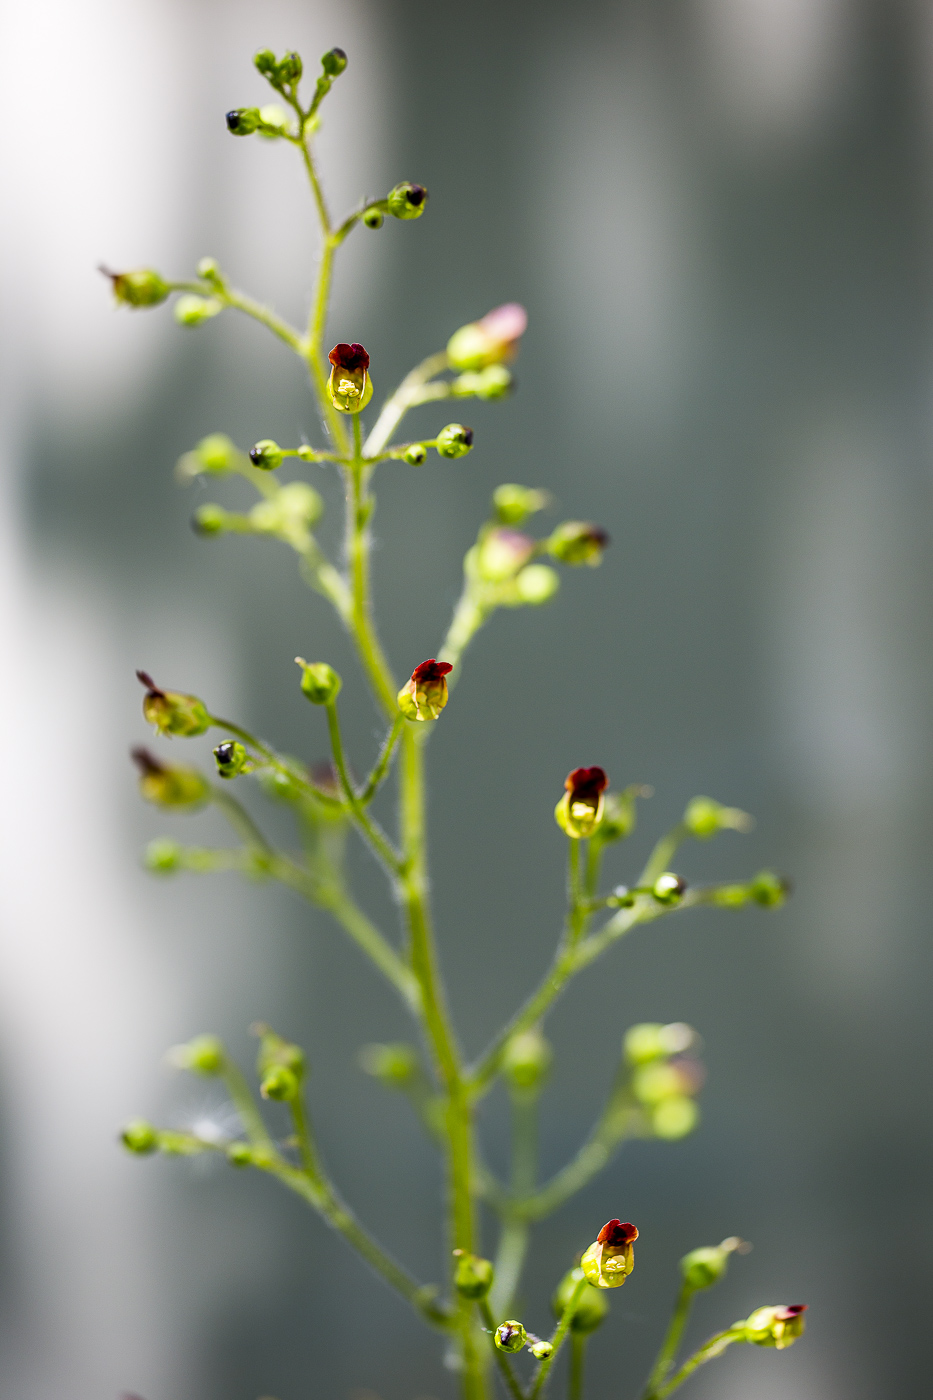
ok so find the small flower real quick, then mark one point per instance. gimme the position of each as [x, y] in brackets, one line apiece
[509, 1336]
[169, 785]
[171, 712]
[580, 809]
[425, 695]
[610, 1258]
[489, 341]
[140, 288]
[578, 542]
[777, 1327]
[350, 386]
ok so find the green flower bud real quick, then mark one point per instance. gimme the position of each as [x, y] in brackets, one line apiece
[396, 1065]
[350, 386]
[415, 455]
[454, 441]
[539, 1347]
[192, 310]
[276, 1052]
[319, 682]
[704, 817]
[513, 504]
[769, 889]
[203, 1055]
[509, 1336]
[280, 1083]
[266, 455]
[489, 341]
[494, 382]
[210, 519]
[209, 269]
[526, 1060]
[163, 856]
[172, 712]
[652, 1041]
[610, 1258]
[674, 1118]
[290, 68]
[231, 758]
[580, 810]
[264, 61]
[239, 1154]
[424, 696]
[334, 62]
[243, 121]
[169, 785]
[577, 542]
[658, 1081]
[619, 814]
[144, 287]
[373, 217]
[140, 1137]
[777, 1327]
[473, 1276]
[669, 888]
[407, 201]
[701, 1268]
[592, 1305]
[214, 453]
[536, 584]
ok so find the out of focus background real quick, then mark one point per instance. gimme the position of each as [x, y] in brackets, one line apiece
[718, 213]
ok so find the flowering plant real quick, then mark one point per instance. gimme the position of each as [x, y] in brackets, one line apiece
[659, 1075]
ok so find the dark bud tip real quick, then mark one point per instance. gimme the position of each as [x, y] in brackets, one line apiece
[146, 762]
[145, 679]
[334, 62]
[617, 1233]
[225, 753]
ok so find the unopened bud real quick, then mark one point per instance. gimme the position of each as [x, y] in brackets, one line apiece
[701, 1268]
[192, 310]
[674, 1117]
[454, 441]
[509, 1336]
[280, 1084]
[424, 696]
[578, 542]
[373, 217]
[619, 815]
[264, 61]
[242, 121]
[526, 1060]
[266, 455]
[592, 1306]
[210, 519]
[610, 1258]
[777, 1327]
[513, 504]
[239, 1154]
[769, 889]
[140, 1137]
[349, 386]
[214, 453]
[489, 341]
[163, 856]
[704, 817]
[581, 808]
[501, 553]
[473, 1276]
[493, 382]
[407, 201]
[396, 1064]
[202, 1055]
[334, 62]
[652, 1041]
[535, 584]
[172, 712]
[277, 1052]
[539, 1347]
[319, 682]
[415, 455]
[669, 888]
[169, 785]
[231, 758]
[290, 68]
[143, 287]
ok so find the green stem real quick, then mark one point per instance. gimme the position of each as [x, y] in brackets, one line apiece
[398, 404]
[578, 1341]
[514, 1234]
[675, 1330]
[557, 1340]
[663, 854]
[245, 1105]
[242, 822]
[359, 511]
[469, 616]
[273, 760]
[374, 834]
[707, 1352]
[502, 1360]
[510, 1259]
[381, 766]
[266, 316]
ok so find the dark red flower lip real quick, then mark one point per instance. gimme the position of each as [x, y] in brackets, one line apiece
[431, 670]
[352, 357]
[586, 783]
[792, 1310]
[617, 1233]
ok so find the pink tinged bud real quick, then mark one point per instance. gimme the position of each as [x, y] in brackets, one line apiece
[580, 810]
[349, 386]
[425, 695]
[777, 1327]
[502, 553]
[489, 341]
[610, 1258]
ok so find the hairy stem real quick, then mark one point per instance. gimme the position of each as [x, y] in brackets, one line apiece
[557, 1340]
[398, 404]
[578, 1341]
[707, 1352]
[675, 1330]
[502, 1360]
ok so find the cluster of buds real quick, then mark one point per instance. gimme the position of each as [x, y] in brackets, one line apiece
[350, 386]
[424, 696]
[777, 1326]
[665, 1076]
[171, 712]
[611, 1257]
[142, 287]
[169, 784]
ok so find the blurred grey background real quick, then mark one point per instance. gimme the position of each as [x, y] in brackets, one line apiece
[718, 213]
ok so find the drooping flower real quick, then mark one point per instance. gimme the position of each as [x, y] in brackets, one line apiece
[425, 694]
[610, 1258]
[581, 808]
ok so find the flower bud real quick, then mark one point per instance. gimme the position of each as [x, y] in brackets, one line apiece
[280, 1083]
[425, 694]
[769, 889]
[493, 382]
[290, 68]
[539, 1347]
[610, 1258]
[349, 386]
[169, 785]
[454, 441]
[619, 815]
[775, 1326]
[140, 1137]
[674, 1117]
[274, 1049]
[202, 1055]
[144, 287]
[473, 1276]
[264, 61]
[489, 341]
[163, 856]
[239, 1154]
[591, 1308]
[373, 217]
[171, 712]
[214, 453]
[513, 504]
[665, 1079]
[192, 310]
[526, 1060]
[334, 62]
[578, 542]
[231, 758]
[704, 817]
[536, 584]
[266, 455]
[243, 121]
[319, 682]
[509, 1336]
[210, 519]
[396, 1065]
[580, 809]
[669, 888]
[652, 1041]
[415, 455]
[701, 1268]
[407, 201]
[501, 553]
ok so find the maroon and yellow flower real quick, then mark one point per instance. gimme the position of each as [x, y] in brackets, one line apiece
[610, 1258]
[580, 810]
[425, 695]
[777, 1327]
[349, 386]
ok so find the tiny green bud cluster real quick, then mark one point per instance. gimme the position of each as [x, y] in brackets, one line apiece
[665, 1077]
